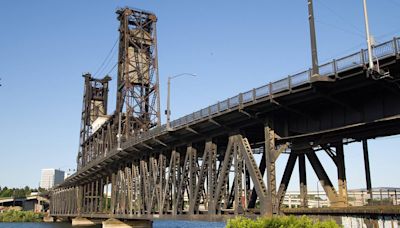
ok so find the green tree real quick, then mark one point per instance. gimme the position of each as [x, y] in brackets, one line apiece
[18, 193]
[27, 190]
[6, 192]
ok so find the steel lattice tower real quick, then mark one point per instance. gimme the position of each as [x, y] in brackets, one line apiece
[95, 97]
[138, 82]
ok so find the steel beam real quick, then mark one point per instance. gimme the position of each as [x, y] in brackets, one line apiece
[367, 168]
[287, 173]
[342, 182]
[303, 180]
[323, 178]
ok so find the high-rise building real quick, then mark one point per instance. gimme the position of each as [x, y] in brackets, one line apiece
[51, 178]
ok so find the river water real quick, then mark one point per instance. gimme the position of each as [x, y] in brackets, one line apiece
[156, 224]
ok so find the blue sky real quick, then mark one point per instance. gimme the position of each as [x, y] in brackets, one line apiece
[232, 46]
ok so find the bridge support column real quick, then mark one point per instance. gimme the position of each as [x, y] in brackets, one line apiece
[270, 168]
[342, 182]
[324, 180]
[78, 221]
[367, 169]
[303, 180]
[115, 223]
[286, 177]
[271, 155]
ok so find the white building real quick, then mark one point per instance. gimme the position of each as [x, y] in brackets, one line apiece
[355, 197]
[51, 177]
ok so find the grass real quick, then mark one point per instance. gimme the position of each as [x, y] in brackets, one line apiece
[280, 222]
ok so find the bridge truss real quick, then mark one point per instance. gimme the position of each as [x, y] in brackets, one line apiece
[220, 161]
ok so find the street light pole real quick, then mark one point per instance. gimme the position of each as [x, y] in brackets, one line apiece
[168, 111]
[318, 194]
[371, 63]
[314, 54]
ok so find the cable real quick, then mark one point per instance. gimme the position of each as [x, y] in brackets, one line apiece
[108, 62]
[395, 3]
[112, 68]
[337, 27]
[107, 57]
[340, 17]
[344, 52]
[389, 33]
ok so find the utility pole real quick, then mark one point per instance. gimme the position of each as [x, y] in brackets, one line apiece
[314, 54]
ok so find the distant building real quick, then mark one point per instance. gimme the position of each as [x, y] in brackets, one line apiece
[68, 173]
[51, 178]
[356, 197]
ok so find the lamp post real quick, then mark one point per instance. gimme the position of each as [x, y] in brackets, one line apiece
[369, 42]
[168, 111]
[318, 194]
[313, 39]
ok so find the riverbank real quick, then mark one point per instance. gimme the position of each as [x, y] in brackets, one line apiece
[21, 216]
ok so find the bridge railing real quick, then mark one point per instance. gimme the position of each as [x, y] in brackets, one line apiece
[286, 84]
[328, 69]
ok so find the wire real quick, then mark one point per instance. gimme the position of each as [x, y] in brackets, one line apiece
[395, 3]
[107, 58]
[339, 28]
[340, 17]
[344, 52]
[389, 33]
[112, 68]
[108, 62]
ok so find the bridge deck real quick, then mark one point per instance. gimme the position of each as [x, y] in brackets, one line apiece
[288, 94]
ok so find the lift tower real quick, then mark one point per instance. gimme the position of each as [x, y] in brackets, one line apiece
[138, 100]
[94, 109]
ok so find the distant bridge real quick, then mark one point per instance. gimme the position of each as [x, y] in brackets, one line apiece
[210, 164]
[29, 203]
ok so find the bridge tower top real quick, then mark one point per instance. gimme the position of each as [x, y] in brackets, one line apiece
[94, 110]
[138, 81]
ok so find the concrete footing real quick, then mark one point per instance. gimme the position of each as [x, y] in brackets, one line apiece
[82, 222]
[48, 219]
[115, 223]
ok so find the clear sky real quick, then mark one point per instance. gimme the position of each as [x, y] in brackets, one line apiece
[231, 45]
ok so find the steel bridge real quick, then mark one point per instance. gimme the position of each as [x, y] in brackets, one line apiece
[211, 164]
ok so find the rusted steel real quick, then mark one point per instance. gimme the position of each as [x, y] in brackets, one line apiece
[213, 163]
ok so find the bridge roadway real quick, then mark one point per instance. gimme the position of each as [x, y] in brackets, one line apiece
[211, 163]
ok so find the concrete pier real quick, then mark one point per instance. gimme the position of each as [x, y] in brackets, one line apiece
[78, 221]
[115, 223]
[48, 219]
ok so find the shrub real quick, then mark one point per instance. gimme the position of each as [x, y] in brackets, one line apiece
[280, 222]
[20, 216]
